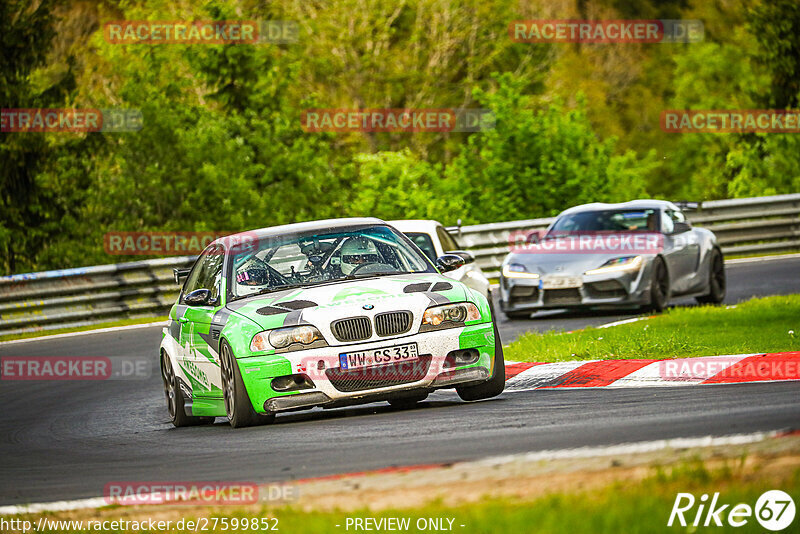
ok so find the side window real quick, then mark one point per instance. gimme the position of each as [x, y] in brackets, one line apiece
[667, 225]
[207, 272]
[448, 243]
[677, 216]
[424, 242]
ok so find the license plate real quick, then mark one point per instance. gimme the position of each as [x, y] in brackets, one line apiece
[367, 358]
[560, 282]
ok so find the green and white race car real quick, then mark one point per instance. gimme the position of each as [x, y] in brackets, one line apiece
[325, 313]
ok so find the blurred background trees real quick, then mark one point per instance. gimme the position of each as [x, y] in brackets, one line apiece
[222, 146]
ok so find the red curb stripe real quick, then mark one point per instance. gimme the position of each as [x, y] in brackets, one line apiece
[516, 368]
[598, 374]
[760, 368]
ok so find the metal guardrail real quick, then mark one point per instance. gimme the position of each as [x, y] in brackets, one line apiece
[89, 295]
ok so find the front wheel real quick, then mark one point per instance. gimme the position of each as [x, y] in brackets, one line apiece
[176, 405]
[495, 385]
[716, 280]
[659, 286]
[237, 403]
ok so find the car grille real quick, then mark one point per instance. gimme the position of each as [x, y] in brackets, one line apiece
[379, 376]
[392, 323]
[562, 296]
[352, 329]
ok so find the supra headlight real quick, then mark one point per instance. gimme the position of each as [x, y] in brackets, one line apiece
[624, 264]
[283, 337]
[517, 270]
[454, 313]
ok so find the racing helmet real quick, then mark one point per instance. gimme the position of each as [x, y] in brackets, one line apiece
[251, 280]
[358, 251]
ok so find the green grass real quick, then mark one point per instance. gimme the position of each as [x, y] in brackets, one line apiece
[121, 322]
[758, 325]
[632, 508]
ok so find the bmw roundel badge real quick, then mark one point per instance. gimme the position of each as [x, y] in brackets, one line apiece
[368, 306]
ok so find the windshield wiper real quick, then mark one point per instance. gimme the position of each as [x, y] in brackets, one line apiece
[372, 275]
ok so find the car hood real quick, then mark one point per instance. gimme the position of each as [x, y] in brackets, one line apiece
[562, 264]
[319, 305]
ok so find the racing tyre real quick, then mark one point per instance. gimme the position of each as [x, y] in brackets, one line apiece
[495, 385]
[659, 286]
[175, 401]
[237, 404]
[408, 402]
[716, 280]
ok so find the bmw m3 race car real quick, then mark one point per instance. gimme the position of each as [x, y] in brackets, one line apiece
[638, 253]
[326, 313]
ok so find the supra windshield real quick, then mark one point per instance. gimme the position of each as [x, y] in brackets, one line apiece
[315, 258]
[607, 221]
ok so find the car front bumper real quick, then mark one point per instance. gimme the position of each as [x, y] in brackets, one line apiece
[333, 386]
[610, 290]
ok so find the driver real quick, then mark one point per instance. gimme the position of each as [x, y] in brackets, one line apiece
[251, 280]
[357, 251]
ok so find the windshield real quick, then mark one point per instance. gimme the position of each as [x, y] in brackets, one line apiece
[308, 259]
[607, 221]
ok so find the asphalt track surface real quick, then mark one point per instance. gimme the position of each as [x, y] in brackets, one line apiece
[67, 440]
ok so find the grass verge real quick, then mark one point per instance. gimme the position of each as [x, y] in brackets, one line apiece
[769, 324]
[121, 322]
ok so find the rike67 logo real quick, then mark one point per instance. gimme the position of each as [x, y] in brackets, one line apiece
[774, 510]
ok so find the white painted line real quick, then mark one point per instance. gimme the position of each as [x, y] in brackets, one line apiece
[58, 506]
[82, 333]
[756, 259]
[623, 321]
[627, 448]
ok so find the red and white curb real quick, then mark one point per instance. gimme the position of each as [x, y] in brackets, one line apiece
[740, 368]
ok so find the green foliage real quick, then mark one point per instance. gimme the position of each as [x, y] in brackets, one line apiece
[539, 159]
[222, 148]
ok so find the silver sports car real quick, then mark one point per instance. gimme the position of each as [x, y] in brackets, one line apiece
[638, 253]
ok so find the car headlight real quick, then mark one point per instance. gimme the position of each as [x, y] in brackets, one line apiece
[452, 313]
[517, 270]
[624, 264]
[283, 337]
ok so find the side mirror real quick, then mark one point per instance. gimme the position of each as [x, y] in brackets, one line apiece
[449, 262]
[681, 227]
[463, 254]
[198, 297]
[181, 274]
